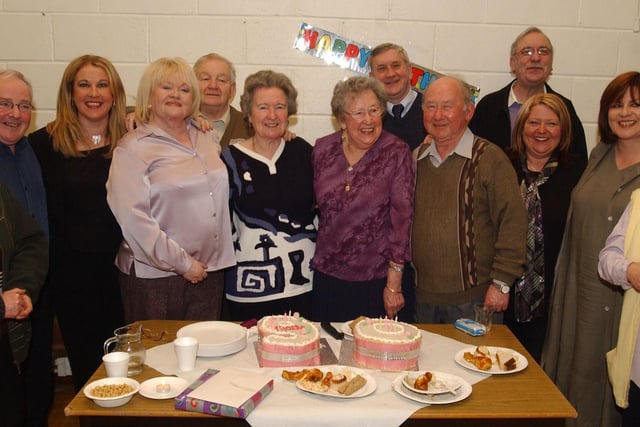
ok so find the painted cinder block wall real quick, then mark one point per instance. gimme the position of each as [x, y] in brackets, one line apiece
[594, 40]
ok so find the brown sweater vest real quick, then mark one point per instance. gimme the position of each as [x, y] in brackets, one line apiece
[456, 227]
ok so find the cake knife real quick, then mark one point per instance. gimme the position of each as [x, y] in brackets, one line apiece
[328, 327]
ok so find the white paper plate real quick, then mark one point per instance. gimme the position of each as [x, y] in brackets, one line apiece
[441, 382]
[434, 399]
[216, 338]
[149, 388]
[368, 388]
[521, 361]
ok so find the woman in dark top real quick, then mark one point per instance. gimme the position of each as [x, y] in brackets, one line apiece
[547, 172]
[74, 152]
[272, 204]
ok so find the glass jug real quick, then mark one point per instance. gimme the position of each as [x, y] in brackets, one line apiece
[129, 339]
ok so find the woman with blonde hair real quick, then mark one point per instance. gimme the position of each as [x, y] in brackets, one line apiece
[75, 151]
[168, 189]
[547, 172]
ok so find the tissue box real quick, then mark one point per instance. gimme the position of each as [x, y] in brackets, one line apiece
[229, 393]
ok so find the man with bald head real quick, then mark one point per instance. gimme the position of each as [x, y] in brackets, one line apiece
[470, 225]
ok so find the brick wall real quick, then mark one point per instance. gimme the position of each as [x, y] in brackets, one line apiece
[593, 39]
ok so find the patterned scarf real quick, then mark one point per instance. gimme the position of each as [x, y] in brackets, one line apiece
[529, 289]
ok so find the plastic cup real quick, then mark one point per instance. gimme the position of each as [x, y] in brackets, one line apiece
[483, 316]
[186, 350]
[116, 363]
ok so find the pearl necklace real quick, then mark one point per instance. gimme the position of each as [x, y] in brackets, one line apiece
[96, 139]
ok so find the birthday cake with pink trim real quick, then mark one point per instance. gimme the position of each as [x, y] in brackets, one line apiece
[287, 340]
[386, 344]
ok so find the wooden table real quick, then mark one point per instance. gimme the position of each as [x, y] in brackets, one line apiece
[526, 398]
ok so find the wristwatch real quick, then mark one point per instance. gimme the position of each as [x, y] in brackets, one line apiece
[502, 287]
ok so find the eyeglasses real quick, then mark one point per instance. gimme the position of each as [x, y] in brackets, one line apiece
[23, 107]
[359, 115]
[542, 51]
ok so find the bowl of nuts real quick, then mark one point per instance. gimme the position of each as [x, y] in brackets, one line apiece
[111, 392]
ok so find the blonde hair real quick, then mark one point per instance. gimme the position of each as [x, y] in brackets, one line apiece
[159, 71]
[65, 130]
[555, 104]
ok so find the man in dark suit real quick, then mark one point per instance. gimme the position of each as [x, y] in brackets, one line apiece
[390, 65]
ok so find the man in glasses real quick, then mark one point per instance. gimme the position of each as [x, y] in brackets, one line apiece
[531, 63]
[20, 173]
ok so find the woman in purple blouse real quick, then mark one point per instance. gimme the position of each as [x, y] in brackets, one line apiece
[363, 181]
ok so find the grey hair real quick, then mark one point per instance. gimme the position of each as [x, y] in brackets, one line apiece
[350, 88]
[514, 45]
[209, 56]
[8, 74]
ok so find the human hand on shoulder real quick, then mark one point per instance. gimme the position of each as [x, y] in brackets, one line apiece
[204, 124]
[130, 121]
[288, 136]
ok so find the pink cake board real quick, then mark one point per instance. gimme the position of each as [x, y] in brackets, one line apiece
[346, 352]
[327, 357]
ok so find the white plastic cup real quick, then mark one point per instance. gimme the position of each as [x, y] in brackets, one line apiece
[482, 316]
[186, 350]
[116, 363]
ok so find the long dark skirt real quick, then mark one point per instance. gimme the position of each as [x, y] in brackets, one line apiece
[88, 305]
[338, 300]
[300, 304]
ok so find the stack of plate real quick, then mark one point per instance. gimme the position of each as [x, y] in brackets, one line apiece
[216, 338]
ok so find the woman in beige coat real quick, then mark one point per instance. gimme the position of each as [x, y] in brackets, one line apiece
[585, 310]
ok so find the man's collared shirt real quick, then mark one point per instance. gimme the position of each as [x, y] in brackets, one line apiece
[220, 125]
[20, 172]
[406, 102]
[463, 148]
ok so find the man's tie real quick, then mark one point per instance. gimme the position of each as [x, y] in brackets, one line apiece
[397, 110]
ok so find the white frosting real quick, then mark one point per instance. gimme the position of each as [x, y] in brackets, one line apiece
[386, 330]
[287, 330]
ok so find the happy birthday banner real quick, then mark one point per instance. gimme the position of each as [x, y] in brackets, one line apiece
[345, 53]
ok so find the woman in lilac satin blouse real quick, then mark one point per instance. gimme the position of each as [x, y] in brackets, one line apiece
[168, 190]
[363, 180]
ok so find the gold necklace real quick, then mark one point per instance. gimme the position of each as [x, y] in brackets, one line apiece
[348, 186]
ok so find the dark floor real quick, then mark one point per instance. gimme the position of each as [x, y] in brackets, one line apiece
[63, 395]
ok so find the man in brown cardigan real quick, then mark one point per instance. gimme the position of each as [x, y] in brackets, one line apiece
[469, 230]
[217, 79]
